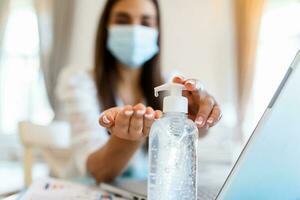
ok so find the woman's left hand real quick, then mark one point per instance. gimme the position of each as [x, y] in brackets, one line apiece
[203, 108]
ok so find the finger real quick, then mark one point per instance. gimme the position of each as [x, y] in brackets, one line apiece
[193, 85]
[148, 120]
[107, 118]
[136, 122]
[122, 122]
[196, 89]
[215, 116]
[194, 98]
[178, 79]
[206, 107]
[158, 114]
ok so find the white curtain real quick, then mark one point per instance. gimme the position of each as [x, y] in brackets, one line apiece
[248, 14]
[4, 10]
[55, 25]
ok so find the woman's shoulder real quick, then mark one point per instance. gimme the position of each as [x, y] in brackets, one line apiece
[75, 81]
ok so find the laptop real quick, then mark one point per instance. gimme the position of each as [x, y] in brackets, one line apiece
[269, 166]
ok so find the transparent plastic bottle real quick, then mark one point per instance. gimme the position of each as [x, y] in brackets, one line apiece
[173, 150]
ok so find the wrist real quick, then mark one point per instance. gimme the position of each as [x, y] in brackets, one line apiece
[131, 143]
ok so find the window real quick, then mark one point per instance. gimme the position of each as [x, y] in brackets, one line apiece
[278, 44]
[22, 90]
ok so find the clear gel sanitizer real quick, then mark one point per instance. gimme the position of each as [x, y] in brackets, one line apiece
[173, 150]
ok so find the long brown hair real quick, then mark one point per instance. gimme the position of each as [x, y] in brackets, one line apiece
[106, 73]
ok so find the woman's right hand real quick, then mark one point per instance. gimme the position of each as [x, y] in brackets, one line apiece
[129, 122]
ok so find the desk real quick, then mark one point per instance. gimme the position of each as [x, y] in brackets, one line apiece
[211, 177]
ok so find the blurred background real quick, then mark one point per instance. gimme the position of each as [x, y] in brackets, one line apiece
[239, 49]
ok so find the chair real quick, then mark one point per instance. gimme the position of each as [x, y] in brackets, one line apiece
[40, 137]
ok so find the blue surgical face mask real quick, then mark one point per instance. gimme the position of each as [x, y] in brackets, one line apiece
[132, 45]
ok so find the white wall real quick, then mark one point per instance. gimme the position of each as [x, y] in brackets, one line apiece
[197, 40]
[86, 17]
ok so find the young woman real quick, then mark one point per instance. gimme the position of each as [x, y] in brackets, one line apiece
[126, 70]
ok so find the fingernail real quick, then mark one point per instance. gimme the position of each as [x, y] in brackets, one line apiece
[210, 120]
[190, 82]
[199, 121]
[128, 112]
[105, 119]
[149, 115]
[140, 112]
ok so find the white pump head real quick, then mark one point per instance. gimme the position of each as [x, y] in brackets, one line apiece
[175, 102]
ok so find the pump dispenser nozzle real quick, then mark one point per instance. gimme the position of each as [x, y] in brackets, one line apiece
[175, 102]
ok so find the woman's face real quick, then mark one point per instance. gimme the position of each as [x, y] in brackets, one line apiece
[134, 12]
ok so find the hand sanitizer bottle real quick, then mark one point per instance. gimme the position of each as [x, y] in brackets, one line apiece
[173, 150]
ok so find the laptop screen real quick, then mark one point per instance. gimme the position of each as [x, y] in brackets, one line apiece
[269, 167]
